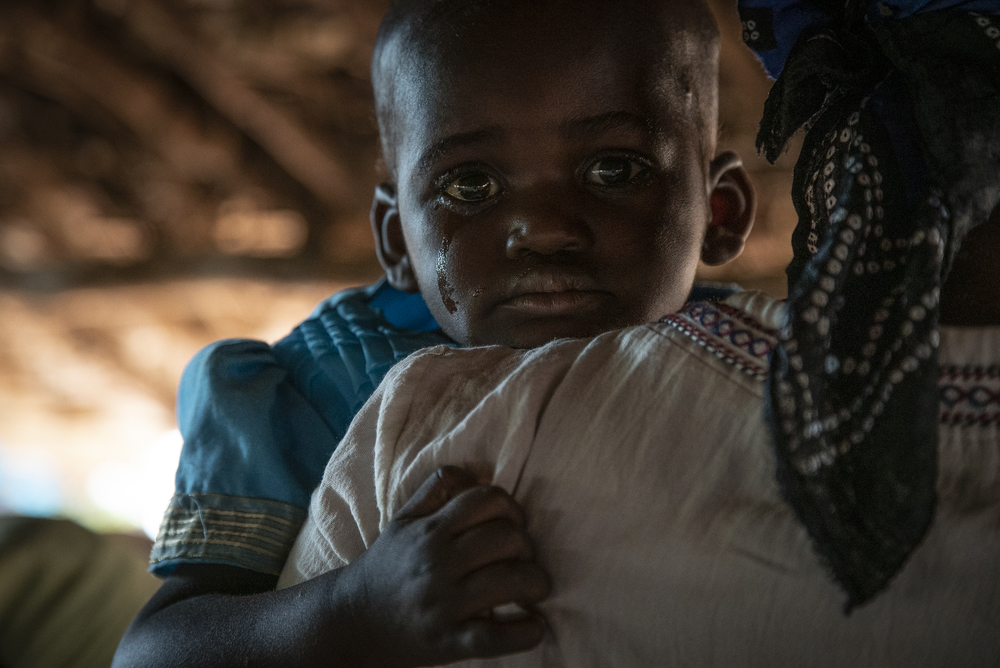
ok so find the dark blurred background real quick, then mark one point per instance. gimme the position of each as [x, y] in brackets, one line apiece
[173, 172]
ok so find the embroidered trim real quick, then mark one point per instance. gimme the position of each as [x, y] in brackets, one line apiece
[969, 395]
[728, 334]
[245, 532]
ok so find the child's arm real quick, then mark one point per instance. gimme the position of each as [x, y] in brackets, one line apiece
[421, 595]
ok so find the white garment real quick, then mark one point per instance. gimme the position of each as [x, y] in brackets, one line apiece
[646, 472]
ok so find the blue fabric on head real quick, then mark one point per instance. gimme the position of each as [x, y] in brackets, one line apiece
[772, 27]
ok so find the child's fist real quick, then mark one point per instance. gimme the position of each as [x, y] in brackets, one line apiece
[452, 554]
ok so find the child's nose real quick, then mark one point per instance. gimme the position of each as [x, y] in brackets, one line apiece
[547, 229]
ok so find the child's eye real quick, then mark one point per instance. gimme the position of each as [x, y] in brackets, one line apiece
[474, 187]
[613, 171]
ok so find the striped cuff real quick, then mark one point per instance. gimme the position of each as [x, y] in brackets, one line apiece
[234, 530]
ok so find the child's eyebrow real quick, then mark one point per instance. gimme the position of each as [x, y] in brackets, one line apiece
[443, 146]
[606, 122]
[573, 128]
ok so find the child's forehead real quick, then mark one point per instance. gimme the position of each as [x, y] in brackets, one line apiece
[454, 52]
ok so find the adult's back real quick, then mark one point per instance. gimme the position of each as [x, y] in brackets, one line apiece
[646, 471]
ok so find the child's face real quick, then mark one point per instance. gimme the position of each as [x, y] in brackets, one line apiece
[545, 187]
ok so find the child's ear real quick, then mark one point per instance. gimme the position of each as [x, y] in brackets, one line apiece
[390, 245]
[734, 205]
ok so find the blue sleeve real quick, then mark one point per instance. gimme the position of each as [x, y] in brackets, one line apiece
[260, 422]
[247, 431]
[771, 28]
[254, 449]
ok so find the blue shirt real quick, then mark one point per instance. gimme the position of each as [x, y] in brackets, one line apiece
[772, 27]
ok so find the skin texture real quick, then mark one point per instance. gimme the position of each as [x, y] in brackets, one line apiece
[558, 183]
[588, 125]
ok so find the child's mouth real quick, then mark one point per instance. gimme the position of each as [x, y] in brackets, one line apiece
[547, 293]
[566, 302]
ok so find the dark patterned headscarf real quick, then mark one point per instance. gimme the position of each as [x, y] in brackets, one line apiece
[901, 158]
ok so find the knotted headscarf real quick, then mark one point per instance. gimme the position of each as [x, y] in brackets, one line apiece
[901, 158]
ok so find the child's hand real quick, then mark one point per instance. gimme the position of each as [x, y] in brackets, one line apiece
[454, 552]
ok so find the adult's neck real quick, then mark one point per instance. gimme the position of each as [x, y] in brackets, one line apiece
[971, 295]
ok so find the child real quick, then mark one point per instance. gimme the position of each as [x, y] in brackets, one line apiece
[642, 456]
[551, 176]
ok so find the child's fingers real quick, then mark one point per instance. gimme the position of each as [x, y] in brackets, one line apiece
[490, 542]
[501, 583]
[441, 487]
[483, 637]
[477, 505]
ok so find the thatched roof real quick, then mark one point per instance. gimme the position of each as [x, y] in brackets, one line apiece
[176, 171]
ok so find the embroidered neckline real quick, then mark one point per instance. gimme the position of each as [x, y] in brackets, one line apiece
[969, 394]
[727, 333]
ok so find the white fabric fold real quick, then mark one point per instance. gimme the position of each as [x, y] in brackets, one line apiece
[646, 471]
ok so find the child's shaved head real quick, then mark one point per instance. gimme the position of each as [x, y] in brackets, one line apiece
[679, 39]
[551, 163]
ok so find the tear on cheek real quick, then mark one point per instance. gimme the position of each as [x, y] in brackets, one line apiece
[444, 287]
